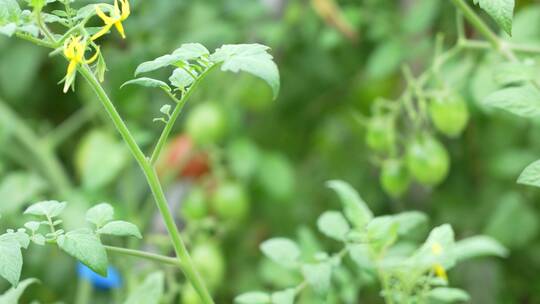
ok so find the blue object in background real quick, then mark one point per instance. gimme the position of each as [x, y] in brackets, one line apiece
[112, 280]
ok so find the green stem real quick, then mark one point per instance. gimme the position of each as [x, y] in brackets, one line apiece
[153, 181]
[174, 116]
[145, 255]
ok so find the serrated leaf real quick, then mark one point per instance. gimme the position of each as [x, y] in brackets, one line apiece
[448, 295]
[149, 292]
[13, 294]
[120, 228]
[18, 236]
[333, 224]
[48, 209]
[318, 276]
[284, 296]
[32, 225]
[254, 297]
[11, 260]
[147, 82]
[251, 58]
[100, 214]
[282, 251]
[38, 239]
[522, 100]
[479, 246]
[190, 51]
[181, 79]
[502, 11]
[355, 209]
[158, 63]
[86, 247]
[531, 175]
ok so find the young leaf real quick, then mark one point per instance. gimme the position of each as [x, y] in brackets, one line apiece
[438, 248]
[9, 11]
[149, 292]
[408, 221]
[254, 297]
[85, 246]
[190, 51]
[531, 175]
[284, 297]
[448, 295]
[318, 276]
[333, 224]
[382, 231]
[48, 209]
[523, 100]
[181, 79]
[100, 214]
[251, 58]
[18, 236]
[356, 210]
[502, 11]
[120, 228]
[158, 63]
[8, 29]
[13, 294]
[282, 251]
[11, 260]
[148, 82]
[478, 246]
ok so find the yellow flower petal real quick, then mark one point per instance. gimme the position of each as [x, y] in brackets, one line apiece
[105, 18]
[440, 272]
[125, 9]
[102, 32]
[93, 58]
[116, 9]
[120, 29]
[71, 67]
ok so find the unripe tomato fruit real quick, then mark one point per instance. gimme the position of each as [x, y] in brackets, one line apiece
[380, 133]
[180, 154]
[395, 178]
[189, 295]
[230, 201]
[194, 206]
[210, 262]
[206, 123]
[427, 160]
[449, 115]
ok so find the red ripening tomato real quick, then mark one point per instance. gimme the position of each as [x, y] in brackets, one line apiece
[181, 155]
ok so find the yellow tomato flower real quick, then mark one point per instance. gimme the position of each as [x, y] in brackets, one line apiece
[115, 18]
[74, 50]
[436, 248]
[440, 272]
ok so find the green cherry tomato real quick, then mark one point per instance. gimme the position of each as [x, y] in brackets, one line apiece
[206, 123]
[210, 262]
[194, 207]
[449, 115]
[427, 160]
[381, 134]
[189, 295]
[395, 178]
[231, 201]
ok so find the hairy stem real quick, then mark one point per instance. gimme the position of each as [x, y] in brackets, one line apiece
[145, 255]
[153, 181]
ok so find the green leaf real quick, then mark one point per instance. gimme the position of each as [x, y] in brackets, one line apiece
[254, 297]
[251, 58]
[9, 12]
[514, 72]
[333, 224]
[120, 228]
[382, 231]
[13, 294]
[190, 51]
[8, 29]
[48, 209]
[32, 225]
[85, 246]
[12, 193]
[158, 63]
[318, 276]
[409, 221]
[284, 297]
[148, 82]
[437, 249]
[360, 254]
[100, 214]
[181, 79]
[502, 11]
[99, 159]
[479, 246]
[448, 295]
[282, 251]
[531, 175]
[18, 236]
[356, 210]
[11, 261]
[149, 292]
[523, 100]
